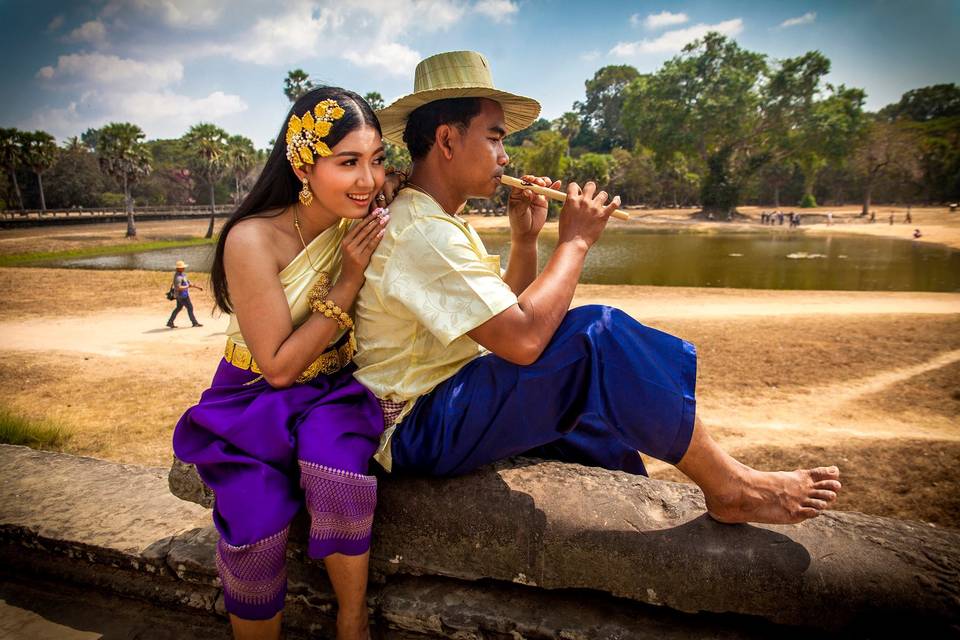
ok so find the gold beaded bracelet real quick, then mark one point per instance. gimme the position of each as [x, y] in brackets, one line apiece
[332, 310]
[329, 308]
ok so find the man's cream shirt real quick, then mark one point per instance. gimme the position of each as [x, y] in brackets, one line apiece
[428, 283]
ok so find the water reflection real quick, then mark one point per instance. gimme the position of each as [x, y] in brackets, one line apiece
[752, 261]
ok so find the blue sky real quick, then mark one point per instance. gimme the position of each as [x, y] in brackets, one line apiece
[168, 64]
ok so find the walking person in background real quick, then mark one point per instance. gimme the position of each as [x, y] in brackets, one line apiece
[181, 289]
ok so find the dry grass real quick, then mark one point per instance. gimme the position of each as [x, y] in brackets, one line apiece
[871, 379]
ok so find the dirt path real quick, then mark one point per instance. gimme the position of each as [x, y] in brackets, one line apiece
[869, 381]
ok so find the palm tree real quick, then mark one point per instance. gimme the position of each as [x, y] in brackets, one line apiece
[241, 156]
[11, 156]
[375, 100]
[568, 126]
[207, 145]
[40, 153]
[124, 156]
[296, 84]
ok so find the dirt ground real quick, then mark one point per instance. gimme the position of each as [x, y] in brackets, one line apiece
[869, 381]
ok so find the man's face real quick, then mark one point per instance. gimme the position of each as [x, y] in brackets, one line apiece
[479, 157]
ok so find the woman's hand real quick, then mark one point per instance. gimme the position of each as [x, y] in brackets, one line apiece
[392, 184]
[359, 244]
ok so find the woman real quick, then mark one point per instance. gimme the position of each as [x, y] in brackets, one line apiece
[284, 422]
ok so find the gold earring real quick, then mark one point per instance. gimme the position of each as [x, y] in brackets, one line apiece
[306, 196]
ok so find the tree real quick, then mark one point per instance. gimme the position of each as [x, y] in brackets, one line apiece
[548, 155]
[926, 103]
[75, 179]
[296, 84]
[39, 153]
[567, 125]
[706, 103]
[677, 177]
[207, 146]
[634, 176]
[517, 138]
[884, 148]
[601, 110]
[11, 155]
[375, 100]
[597, 167]
[124, 156]
[240, 158]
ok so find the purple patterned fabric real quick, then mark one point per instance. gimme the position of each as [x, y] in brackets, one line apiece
[249, 442]
[254, 576]
[341, 506]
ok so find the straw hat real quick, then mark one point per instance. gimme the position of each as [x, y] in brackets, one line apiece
[455, 74]
[181, 264]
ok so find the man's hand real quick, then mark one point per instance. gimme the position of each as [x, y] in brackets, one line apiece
[527, 210]
[585, 213]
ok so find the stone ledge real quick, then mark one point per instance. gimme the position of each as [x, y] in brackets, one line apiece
[559, 526]
[588, 552]
[116, 529]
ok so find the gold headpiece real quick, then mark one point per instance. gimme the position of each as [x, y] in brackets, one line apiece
[304, 135]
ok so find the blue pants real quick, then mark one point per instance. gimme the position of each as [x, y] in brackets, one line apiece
[183, 301]
[605, 388]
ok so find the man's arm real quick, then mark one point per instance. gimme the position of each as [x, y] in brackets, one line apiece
[528, 212]
[521, 333]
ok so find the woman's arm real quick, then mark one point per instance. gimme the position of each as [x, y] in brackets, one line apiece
[263, 314]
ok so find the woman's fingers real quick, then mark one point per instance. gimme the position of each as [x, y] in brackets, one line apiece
[360, 231]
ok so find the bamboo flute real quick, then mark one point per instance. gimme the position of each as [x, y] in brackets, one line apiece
[552, 194]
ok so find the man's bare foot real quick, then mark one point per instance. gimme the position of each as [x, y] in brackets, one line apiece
[780, 497]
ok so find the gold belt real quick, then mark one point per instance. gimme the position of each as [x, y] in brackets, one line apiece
[329, 362]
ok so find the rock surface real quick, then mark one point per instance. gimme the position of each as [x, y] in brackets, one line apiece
[562, 526]
[116, 529]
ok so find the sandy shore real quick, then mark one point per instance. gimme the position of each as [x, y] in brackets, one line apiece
[866, 380]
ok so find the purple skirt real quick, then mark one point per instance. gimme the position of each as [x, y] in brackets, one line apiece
[266, 453]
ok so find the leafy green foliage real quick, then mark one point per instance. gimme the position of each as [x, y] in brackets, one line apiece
[296, 84]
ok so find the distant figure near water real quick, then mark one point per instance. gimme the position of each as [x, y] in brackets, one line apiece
[181, 289]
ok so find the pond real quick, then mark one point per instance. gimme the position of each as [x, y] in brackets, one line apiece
[763, 260]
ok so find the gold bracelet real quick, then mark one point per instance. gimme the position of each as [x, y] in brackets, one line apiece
[332, 310]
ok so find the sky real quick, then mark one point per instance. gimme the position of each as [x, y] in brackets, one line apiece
[168, 64]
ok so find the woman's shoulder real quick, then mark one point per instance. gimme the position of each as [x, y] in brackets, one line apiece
[256, 231]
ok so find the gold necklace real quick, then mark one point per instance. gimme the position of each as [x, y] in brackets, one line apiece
[296, 225]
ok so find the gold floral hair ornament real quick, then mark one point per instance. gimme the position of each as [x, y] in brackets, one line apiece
[305, 134]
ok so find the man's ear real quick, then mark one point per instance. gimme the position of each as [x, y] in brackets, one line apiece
[446, 135]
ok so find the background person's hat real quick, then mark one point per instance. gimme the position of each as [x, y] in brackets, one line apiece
[181, 264]
[455, 74]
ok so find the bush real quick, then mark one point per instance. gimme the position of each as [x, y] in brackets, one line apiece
[111, 199]
[808, 202]
[18, 429]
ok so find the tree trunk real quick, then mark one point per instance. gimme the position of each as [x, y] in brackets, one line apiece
[720, 192]
[128, 205]
[213, 212]
[43, 201]
[776, 196]
[16, 188]
[236, 197]
[867, 195]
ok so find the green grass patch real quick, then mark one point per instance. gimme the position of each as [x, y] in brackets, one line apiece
[34, 258]
[15, 428]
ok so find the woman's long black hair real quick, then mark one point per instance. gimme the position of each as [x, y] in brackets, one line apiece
[278, 186]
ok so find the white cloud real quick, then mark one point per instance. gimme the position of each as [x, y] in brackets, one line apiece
[660, 20]
[160, 114]
[101, 70]
[93, 32]
[497, 10]
[807, 18]
[590, 56]
[674, 41]
[390, 57]
[56, 23]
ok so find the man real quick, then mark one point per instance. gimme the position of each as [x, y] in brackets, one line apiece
[181, 288]
[473, 366]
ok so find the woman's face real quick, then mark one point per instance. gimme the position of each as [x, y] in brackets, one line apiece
[346, 182]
